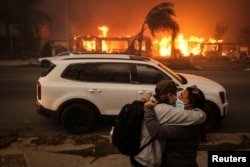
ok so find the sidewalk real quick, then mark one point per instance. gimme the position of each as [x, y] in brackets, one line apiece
[42, 159]
[20, 62]
[25, 153]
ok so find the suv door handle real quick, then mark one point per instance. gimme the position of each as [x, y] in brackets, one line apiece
[144, 92]
[94, 90]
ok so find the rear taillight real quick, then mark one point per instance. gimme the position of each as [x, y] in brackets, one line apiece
[38, 89]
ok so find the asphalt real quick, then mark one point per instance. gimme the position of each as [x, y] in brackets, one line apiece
[23, 153]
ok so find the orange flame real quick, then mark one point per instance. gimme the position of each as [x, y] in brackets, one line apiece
[215, 42]
[195, 45]
[187, 47]
[161, 44]
[182, 45]
[89, 45]
[104, 30]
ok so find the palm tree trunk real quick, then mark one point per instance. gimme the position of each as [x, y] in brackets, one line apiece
[173, 48]
[10, 42]
[140, 39]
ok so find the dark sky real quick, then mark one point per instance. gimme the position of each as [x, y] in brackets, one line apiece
[125, 17]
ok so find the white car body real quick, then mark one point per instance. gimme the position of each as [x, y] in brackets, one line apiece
[108, 98]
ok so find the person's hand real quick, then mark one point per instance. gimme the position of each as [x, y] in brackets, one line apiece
[150, 103]
[145, 99]
[171, 98]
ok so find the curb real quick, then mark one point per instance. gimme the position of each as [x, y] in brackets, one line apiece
[27, 153]
[74, 144]
[20, 62]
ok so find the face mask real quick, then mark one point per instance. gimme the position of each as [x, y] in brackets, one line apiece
[179, 104]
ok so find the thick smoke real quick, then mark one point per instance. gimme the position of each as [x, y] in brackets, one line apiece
[125, 17]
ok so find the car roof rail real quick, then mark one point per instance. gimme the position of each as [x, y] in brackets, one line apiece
[109, 56]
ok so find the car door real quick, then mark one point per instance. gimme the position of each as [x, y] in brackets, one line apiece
[110, 87]
[147, 77]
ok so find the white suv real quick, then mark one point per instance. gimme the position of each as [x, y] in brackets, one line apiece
[76, 90]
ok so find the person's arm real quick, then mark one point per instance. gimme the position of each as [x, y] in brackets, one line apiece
[164, 131]
[176, 116]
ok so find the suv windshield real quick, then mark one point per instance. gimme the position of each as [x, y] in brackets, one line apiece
[172, 73]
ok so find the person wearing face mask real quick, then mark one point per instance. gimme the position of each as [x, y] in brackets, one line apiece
[179, 104]
[179, 152]
[167, 114]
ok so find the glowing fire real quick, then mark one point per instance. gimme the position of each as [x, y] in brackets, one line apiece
[182, 45]
[215, 42]
[185, 47]
[161, 44]
[90, 45]
[195, 45]
[104, 30]
[165, 46]
[211, 40]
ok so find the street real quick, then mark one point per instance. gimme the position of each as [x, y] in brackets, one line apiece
[237, 84]
[18, 94]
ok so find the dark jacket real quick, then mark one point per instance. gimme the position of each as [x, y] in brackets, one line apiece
[179, 152]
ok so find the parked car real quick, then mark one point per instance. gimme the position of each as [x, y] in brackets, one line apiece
[45, 62]
[76, 90]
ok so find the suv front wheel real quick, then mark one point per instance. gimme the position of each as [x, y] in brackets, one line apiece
[78, 118]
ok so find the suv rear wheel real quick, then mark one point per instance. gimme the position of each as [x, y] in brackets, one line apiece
[78, 118]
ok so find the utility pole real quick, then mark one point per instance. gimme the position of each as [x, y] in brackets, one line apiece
[67, 23]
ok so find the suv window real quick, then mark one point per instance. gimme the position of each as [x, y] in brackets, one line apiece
[72, 71]
[99, 72]
[149, 75]
[48, 70]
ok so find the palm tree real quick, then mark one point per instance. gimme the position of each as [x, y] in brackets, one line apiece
[159, 17]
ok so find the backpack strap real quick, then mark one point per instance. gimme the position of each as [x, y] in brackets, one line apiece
[145, 145]
[132, 158]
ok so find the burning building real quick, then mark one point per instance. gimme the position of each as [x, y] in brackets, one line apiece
[158, 46]
[105, 44]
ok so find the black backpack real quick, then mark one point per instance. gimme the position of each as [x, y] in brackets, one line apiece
[127, 129]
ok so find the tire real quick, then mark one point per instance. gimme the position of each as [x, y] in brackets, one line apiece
[78, 118]
[213, 117]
